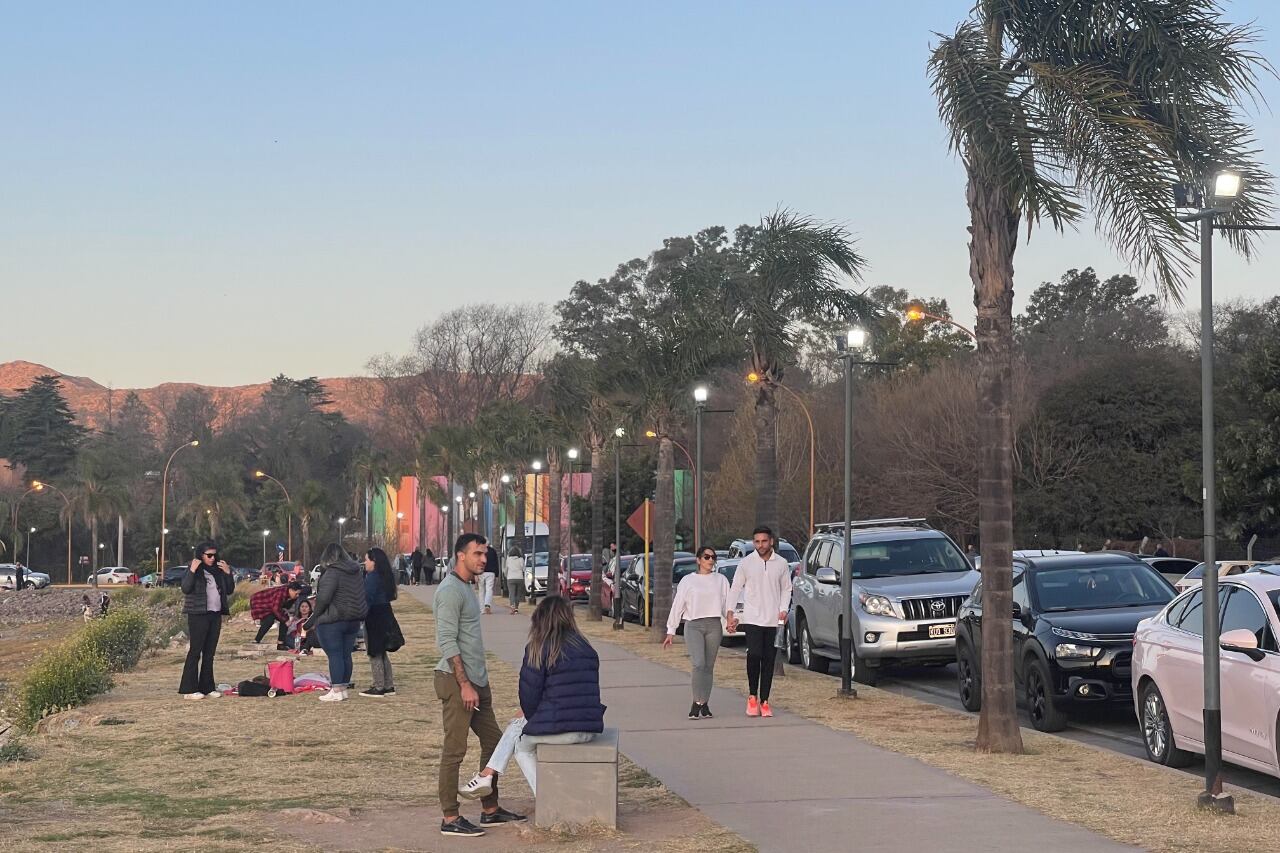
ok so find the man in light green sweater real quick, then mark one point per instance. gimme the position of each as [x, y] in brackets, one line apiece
[462, 684]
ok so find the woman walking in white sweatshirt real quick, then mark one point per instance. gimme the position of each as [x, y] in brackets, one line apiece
[700, 600]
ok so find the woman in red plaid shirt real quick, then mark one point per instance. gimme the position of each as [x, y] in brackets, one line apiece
[272, 605]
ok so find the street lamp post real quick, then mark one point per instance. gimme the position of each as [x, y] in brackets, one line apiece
[164, 498]
[853, 340]
[263, 475]
[40, 486]
[17, 508]
[505, 481]
[573, 462]
[618, 435]
[537, 467]
[753, 378]
[444, 531]
[265, 534]
[30, 533]
[700, 405]
[485, 506]
[399, 532]
[342, 521]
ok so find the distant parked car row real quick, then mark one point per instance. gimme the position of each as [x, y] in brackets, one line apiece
[9, 574]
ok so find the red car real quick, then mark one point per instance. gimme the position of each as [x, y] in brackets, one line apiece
[575, 584]
[283, 572]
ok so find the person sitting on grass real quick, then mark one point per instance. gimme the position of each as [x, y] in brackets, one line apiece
[269, 606]
[559, 696]
[300, 639]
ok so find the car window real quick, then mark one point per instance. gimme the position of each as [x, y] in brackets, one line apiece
[788, 552]
[1096, 587]
[1197, 572]
[1243, 610]
[830, 556]
[1192, 618]
[1020, 596]
[907, 557]
[1174, 614]
[811, 562]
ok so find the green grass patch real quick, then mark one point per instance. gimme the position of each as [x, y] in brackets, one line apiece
[119, 638]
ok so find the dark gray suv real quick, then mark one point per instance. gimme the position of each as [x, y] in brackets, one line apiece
[908, 582]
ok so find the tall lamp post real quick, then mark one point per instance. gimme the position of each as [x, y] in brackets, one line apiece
[753, 378]
[444, 532]
[536, 465]
[30, 533]
[853, 341]
[618, 435]
[342, 522]
[700, 405]
[164, 498]
[505, 482]
[485, 506]
[265, 534]
[573, 463]
[400, 532]
[39, 486]
[1210, 202]
[17, 508]
[263, 475]
[471, 509]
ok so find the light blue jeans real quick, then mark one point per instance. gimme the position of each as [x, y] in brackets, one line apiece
[524, 747]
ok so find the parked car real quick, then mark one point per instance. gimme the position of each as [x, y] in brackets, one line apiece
[908, 582]
[117, 574]
[1174, 569]
[244, 574]
[535, 575]
[976, 559]
[743, 547]
[33, 579]
[1168, 674]
[727, 568]
[574, 583]
[631, 589]
[1074, 619]
[283, 571]
[1226, 569]
[608, 582]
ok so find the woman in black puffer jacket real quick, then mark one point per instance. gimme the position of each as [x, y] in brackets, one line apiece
[206, 586]
[339, 609]
[559, 696]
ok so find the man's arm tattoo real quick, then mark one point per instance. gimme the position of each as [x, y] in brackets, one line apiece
[459, 672]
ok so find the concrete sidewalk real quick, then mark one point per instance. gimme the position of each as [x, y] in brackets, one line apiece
[789, 784]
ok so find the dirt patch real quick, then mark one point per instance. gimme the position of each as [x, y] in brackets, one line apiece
[1124, 798]
[40, 605]
[144, 770]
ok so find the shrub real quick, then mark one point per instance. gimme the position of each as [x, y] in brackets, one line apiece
[68, 675]
[15, 750]
[129, 595]
[164, 596]
[119, 638]
[239, 605]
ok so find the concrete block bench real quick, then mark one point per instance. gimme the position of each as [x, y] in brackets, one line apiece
[578, 783]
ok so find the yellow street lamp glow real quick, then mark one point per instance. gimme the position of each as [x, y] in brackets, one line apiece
[753, 377]
[650, 434]
[915, 313]
[195, 442]
[259, 474]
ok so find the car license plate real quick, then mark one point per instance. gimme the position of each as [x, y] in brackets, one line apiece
[939, 631]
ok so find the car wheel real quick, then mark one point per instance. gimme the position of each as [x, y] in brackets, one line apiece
[1045, 716]
[863, 672]
[793, 648]
[1157, 734]
[812, 661]
[968, 681]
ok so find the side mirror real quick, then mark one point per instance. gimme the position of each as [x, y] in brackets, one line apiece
[1242, 641]
[827, 575]
[1017, 610]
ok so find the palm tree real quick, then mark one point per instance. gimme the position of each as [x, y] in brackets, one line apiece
[310, 503]
[95, 495]
[217, 495]
[1051, 105]
[791, 276]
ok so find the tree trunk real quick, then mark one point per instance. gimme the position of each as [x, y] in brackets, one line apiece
[555, 489]
[597, 527]
[664, 539]
[304, 523]
[422, 510]
[518, 519]
[766, 423]
[993, 239]
[93, 530]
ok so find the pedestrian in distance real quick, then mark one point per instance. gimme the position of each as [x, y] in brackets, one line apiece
[415, 562]
[380, 591]
[699, 601]
[87, 610]
[514, 567]
[206, 588]
[429, 566]
[489, 579]
[339, 609]
[269, 606]
[462, 685]
[559, 697]
[762, 582]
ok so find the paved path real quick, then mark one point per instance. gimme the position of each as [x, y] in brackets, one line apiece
[826, 791]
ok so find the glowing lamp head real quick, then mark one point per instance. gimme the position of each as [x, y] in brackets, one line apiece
[619, 432]
[195, 442]
[753, 377]
[650, 434]
[506, 479]
[573, 453]
[1227, 185]
[700, 394]
[259, 474]
[856, 338]
[915, 313]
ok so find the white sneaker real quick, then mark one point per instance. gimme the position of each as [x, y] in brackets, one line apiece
[479, 786]
[193, 695]
[333, 696]
[214, 695]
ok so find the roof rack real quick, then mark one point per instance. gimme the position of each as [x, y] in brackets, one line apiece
[877, 522]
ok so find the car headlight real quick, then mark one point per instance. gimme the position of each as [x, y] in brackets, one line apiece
[1075, 651]
[876, 605]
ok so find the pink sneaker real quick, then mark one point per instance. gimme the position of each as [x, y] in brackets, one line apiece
[765, 710]
[753, 707]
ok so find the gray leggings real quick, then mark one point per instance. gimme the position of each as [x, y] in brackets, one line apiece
[702, 638]
[382, 672]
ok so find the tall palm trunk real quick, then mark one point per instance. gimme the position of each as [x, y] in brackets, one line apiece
[304, 524]
[518, 520]
[555, 489]
[597, 526]
[994, 233]
[766, 424]
[664, 539]
[93, 532]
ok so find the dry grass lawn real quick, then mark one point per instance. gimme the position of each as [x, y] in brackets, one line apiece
[140, 769]
[1124, 798]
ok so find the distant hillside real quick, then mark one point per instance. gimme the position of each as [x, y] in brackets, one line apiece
[357, 397]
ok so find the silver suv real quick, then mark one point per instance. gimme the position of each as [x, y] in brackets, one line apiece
[908, 582]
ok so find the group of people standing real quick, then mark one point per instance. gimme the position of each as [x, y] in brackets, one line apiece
[348, 595]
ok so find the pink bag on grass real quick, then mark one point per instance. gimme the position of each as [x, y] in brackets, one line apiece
[280, 674]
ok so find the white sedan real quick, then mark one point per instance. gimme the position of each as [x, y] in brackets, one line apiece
[116, 574]
[1226, 569]
[1168, 675]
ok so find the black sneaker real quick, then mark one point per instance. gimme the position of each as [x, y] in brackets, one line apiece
[706, 710]
[281, 647]
[373, 691]
[462, 827]
[389, 691]
[694, 713]
[501, 816]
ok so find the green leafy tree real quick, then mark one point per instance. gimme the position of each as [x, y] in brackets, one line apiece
[216, 497]
[40, 431]
[1250, 442]
[1079, 316]
[97, 494]
[1052, 105]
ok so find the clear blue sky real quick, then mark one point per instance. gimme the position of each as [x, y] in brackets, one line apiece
[299, 186]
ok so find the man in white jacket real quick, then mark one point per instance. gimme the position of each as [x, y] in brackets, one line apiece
[765, 577]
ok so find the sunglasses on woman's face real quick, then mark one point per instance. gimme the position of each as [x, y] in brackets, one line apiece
[707, 557]
[210, 556]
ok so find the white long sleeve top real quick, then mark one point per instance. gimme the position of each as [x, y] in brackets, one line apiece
[767, 586]
[698, 596]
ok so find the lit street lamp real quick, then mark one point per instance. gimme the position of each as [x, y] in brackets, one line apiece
[573, 463]
[848, 347]
[342, 521]
[265, 534]
[400, 532]
[915, 314]
[753, 378]
[536, 465]
[485, 507]
[263, 475]
[618, 435]
[39, 486]
[30, 533]
[164, 498]
[700, 406]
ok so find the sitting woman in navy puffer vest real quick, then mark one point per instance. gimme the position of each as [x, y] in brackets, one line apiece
[559, 696]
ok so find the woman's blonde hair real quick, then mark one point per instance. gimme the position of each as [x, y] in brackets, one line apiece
[551, 629]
